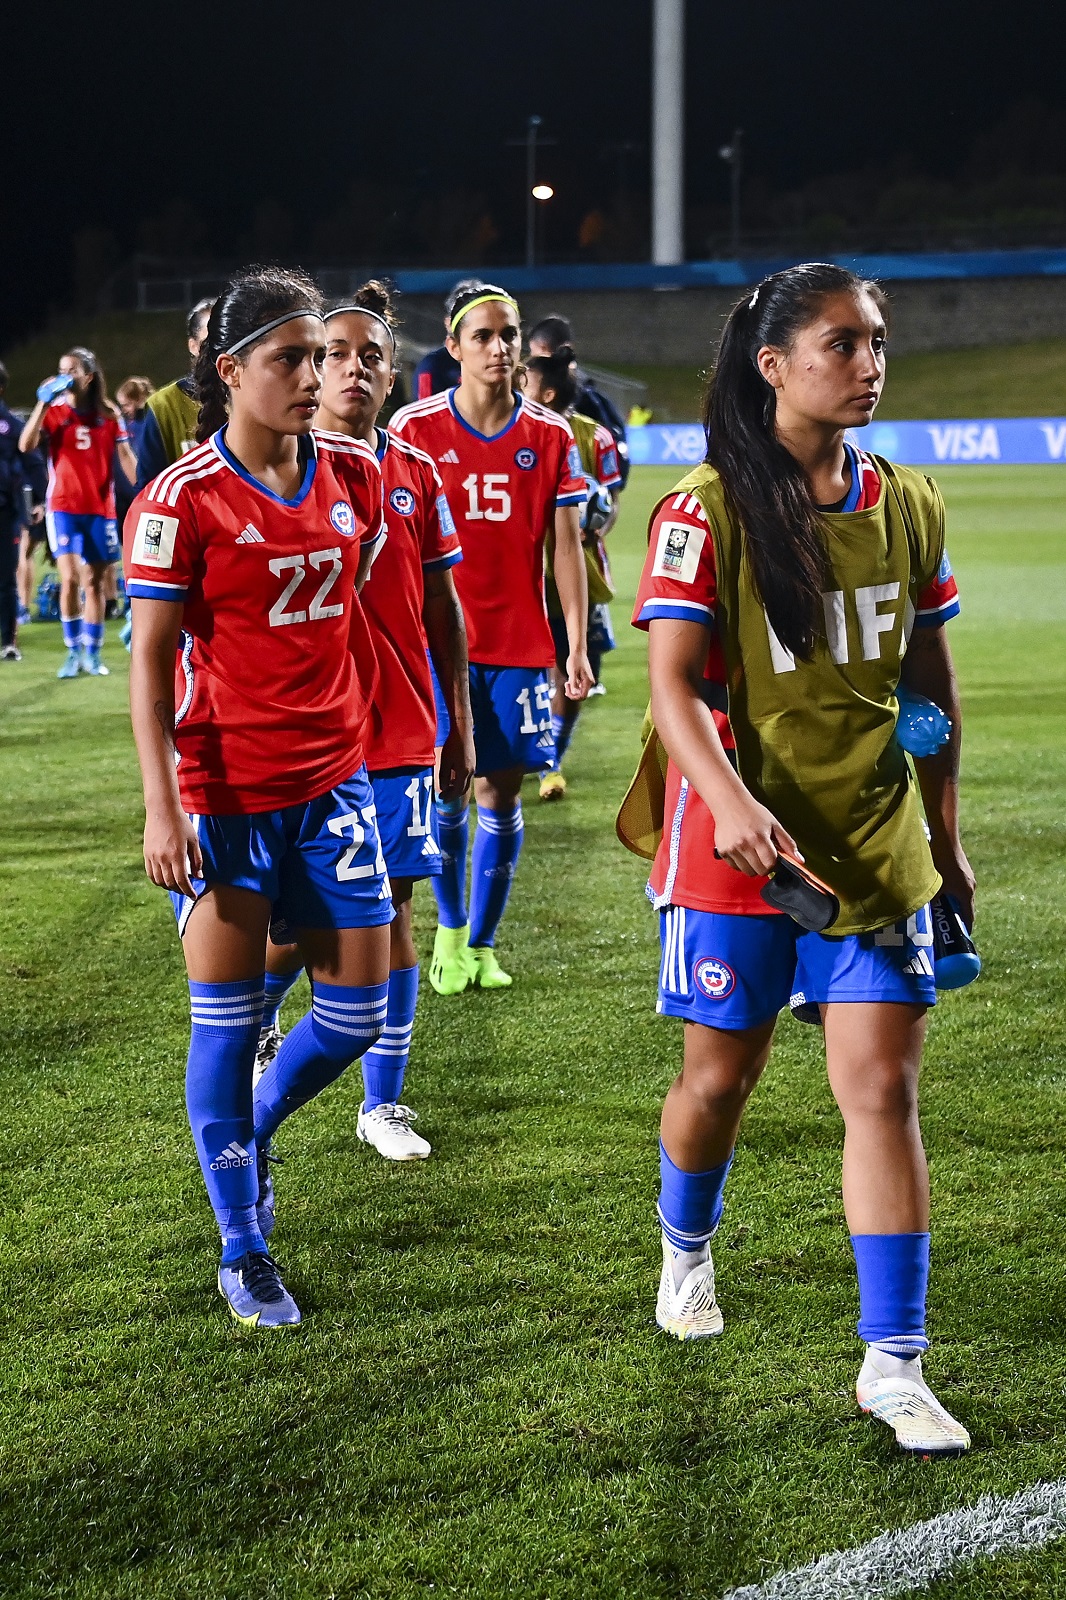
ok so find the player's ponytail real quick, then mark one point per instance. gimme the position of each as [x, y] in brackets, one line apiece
[254, 298]
[766, 486]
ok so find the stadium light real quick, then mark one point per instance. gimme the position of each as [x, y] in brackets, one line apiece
[543, 191]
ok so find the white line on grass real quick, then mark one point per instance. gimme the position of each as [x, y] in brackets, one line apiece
[899, 1563]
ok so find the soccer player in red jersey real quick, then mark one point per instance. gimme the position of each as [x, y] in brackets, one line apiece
[251, 742]
[792, 584]
[81, 430]
[511, 473]
[410, 605]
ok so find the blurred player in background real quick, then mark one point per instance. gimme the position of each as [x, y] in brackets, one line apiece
[552, 382]
[82, 432]
[794, 567]
[254, 544]
[410, 604]
[132, 396]
[512, 474]
[546, 338]
[170, 424]
[438, 369]
[16, 488]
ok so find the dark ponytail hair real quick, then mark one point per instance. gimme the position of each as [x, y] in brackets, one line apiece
[253, 297]
[765, 485]
[96, 393]
[375, 297]
[557, 373]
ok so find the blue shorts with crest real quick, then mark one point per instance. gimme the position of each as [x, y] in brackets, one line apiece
[512, 718]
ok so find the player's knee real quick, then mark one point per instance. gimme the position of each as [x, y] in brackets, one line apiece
[346, 1022]
[885, 1091]
[719, 1088]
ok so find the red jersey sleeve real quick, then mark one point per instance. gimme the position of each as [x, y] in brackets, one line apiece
[939, 602]
[440, 541]
[678, 579]
[607, 472]
[570, 487]
[161, 548]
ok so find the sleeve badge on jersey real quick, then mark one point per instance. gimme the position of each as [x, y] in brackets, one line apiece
[444, 517]
[402, 500]
[573, 461]
[677, 554]
[153, 543]
[342, 517]
[526, 459]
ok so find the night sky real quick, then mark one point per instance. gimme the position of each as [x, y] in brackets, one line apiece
[112, 112]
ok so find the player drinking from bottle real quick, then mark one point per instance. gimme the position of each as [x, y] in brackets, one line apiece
[82, 431]
[511, 472]
[410, 604]
[254, 544]
[792, 568]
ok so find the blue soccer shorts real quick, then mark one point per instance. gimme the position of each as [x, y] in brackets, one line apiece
[319, 864]
[407, 821]
[512, 718]
[735, 972]
[94, 539]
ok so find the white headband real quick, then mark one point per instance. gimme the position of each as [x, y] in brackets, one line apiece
[338, 311]
[268, 327]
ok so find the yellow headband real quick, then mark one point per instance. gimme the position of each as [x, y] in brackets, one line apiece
[483, 299]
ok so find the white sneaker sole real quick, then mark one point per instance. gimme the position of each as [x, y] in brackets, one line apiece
[387, 1155]
[709, 1326]
[904, 1408]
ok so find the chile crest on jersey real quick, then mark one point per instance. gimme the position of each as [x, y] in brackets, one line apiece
[342, 517]
[402, 500]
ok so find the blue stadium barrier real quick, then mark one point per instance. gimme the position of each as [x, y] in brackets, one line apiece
[1019, 441]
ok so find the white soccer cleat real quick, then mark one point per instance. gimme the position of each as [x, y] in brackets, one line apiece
[689, 1309]
[894, 1390]
[388, 1128]
[271, 1039]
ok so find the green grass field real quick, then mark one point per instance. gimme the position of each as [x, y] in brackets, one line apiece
[478, 1404]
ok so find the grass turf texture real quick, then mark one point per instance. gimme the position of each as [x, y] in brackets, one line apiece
[478, 1403]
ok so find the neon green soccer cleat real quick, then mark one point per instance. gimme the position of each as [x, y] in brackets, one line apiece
[451, 969]
[488, 974]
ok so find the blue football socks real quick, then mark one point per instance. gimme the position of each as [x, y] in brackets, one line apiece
[453, 820]
[278, 987]
[690, 1203]
[497, 846]
[893, 1271]
[342, 1024]
[218, 1095]
[386, 1062]
[92, 635]
[563, 731]
[72, 632]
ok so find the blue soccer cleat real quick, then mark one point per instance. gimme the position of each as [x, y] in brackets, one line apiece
[72, 665]
[92, 665]
[255, 1294]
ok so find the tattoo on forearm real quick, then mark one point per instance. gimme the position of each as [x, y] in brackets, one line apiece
[164, 715]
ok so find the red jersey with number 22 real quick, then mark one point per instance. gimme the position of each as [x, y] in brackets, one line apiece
[421, 538]
[273, 685]
[685, 871]
[503, 491]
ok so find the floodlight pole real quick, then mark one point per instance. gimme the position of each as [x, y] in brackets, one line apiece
[668, 133]
[531, 177]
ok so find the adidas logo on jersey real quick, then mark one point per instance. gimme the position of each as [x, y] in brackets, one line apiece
[249, 535]
[450, 457]
[234, 1155]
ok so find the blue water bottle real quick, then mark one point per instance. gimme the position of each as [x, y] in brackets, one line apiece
[955, 959]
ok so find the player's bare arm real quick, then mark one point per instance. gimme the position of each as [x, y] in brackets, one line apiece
[746, 834]
[928, 669]
[171, 848]
[442, 617]
[572, 582]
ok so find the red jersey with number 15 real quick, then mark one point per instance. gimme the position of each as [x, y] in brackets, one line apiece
[273, 685]
[503, 491]
[401, 731]
[81, 450]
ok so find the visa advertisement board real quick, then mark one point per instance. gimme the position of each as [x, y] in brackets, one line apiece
[1016, 441]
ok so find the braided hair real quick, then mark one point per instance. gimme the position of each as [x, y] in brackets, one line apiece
[765, 485]
[253, 297]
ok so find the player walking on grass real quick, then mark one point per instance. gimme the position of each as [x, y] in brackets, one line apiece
[410, 605]
[551, 380]
[511, 473]
[256, 794]
[791, 568]
[82, 431]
